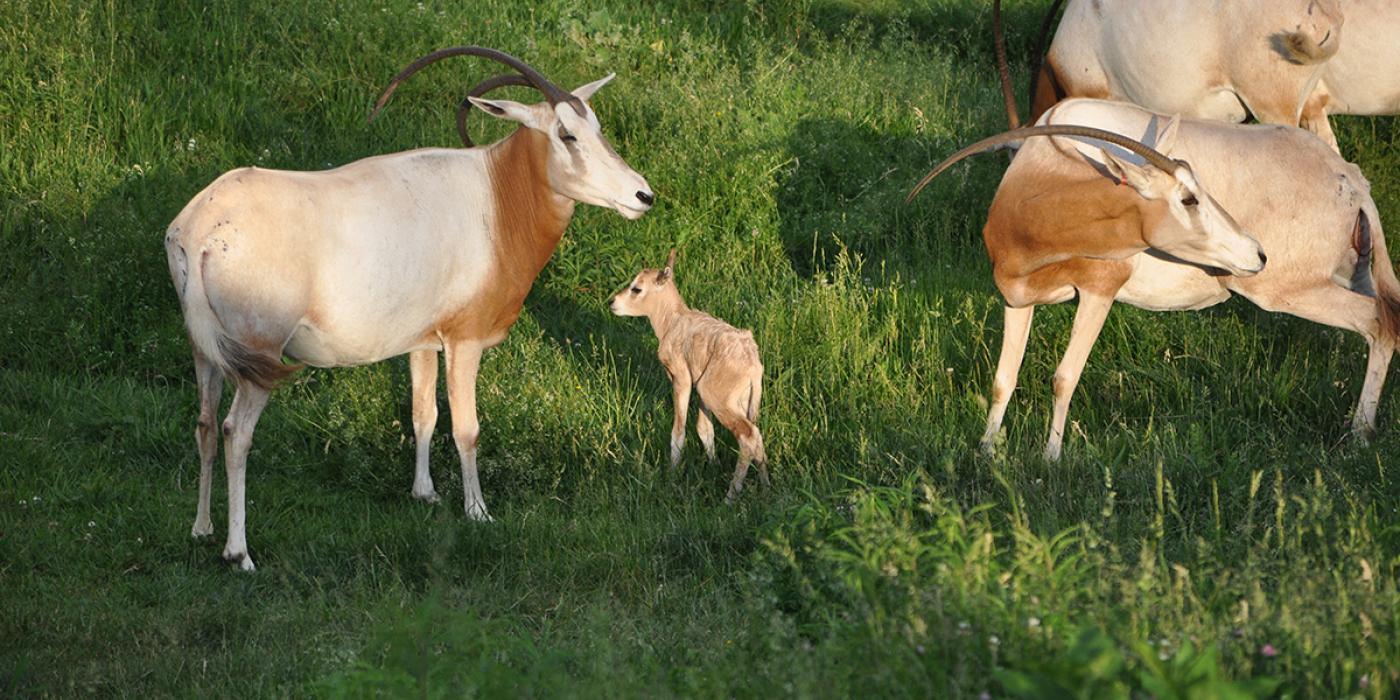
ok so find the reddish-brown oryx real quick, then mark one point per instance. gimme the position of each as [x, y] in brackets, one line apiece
[716, 358]
[1288, 62]
[1311, 210]
[415, 252]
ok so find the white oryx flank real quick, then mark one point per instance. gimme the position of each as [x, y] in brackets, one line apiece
[1200, 58]
[699, 350]
[1364, 76]
[413, 252]
[1307, 206]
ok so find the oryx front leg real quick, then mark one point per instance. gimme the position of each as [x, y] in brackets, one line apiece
[423, 368]
[680, 395]
[1015, 332]
[248, 402]
[206, 435]
[463, 361]
[1088, 322]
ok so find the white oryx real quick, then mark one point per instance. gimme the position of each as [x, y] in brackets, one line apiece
[1311, 210]
[1278, 60]
[414, 252]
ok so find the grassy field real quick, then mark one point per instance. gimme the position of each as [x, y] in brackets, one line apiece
[1211, 530]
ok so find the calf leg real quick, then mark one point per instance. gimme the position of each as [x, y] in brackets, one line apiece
[211, 388]
[423, 368]
[706, 430]
[463, 362]
[728, 395]
[680, 397]
[249, 399]
[750, 449]
[1015, 332]
[1088, 322]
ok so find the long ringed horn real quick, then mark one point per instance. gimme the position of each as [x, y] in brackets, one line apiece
[553, 93]
[1155, 158]
[671, 259]
[1003, 69]
[480, 89]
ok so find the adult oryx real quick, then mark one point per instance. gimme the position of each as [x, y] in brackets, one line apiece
[1210, 59]
[414, 252]
[1309, 209]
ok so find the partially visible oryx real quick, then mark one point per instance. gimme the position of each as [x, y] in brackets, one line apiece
[716, 358]
[1283, 61]
[414, 252]
[1059, 227]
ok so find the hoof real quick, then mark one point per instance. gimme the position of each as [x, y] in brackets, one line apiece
[244, 562]
[1051, 453]
[199, 530]
[477, 512]
[1361, 436]
[430, 497]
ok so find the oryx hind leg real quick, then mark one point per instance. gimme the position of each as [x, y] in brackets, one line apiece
[423, 368]
[206, 436]
[1335, 306]
[249, 399]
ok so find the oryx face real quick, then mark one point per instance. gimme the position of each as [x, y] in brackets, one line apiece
[582, 165]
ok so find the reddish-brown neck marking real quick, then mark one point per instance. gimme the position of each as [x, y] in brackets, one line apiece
[529, 219]
[1040, 222]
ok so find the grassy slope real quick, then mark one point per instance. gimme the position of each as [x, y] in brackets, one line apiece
[1209, 496]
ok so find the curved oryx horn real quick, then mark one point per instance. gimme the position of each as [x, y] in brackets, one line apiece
[553, 93]
[1004, 70]
[1155, 158]
[480, 89]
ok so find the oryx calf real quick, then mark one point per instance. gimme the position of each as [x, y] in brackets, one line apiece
[415, 252]
[716, 358]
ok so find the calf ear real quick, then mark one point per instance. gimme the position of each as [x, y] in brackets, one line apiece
[1132, 175]
[667, 271]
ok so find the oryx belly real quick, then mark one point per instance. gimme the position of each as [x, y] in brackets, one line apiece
[1160, 285]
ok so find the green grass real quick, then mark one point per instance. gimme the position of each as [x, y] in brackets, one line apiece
[1209, 504]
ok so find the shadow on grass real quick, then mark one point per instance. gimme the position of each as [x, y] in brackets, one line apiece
[846, 188]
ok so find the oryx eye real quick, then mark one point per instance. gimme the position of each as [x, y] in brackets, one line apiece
[636, 290]
[566, 137]
[1190, 201]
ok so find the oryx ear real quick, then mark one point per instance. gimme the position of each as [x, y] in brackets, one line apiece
[583, 92]
[1135, 176]
[507, 109]
[1166, 137]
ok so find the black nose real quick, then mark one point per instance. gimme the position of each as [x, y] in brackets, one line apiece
[1263, 259]
[646, 198]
